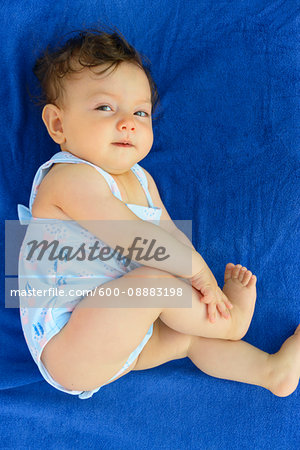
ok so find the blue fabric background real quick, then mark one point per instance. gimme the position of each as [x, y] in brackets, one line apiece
[226, 155]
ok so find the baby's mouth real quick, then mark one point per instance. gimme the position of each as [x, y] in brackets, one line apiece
[123, 144]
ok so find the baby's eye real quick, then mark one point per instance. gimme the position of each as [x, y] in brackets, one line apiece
[144, 114]
[101, 108]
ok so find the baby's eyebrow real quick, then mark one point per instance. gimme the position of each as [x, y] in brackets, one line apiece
[109, 94]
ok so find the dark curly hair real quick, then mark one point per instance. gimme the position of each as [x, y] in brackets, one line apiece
[89, 48]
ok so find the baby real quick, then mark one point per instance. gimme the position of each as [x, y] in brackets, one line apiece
[99, 98]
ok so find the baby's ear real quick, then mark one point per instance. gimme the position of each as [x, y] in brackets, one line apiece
[51, 116]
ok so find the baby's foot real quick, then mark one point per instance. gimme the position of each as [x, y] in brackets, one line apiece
[285, 372]
[240, 288]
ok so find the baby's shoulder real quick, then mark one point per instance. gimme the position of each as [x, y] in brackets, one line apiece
[59, 169]
[61, 173]
[54, 184]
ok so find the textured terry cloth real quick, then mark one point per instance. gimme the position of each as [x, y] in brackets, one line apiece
[226, 156]
[42, 317]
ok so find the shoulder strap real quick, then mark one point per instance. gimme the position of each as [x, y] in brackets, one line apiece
[141, 176]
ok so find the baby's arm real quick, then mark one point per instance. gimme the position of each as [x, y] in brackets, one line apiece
[84, 196]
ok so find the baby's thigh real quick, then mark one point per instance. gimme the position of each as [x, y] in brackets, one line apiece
[96, 342]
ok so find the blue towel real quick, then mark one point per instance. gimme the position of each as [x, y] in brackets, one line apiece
[228, 128]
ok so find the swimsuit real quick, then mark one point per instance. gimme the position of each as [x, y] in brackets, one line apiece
[42, 317]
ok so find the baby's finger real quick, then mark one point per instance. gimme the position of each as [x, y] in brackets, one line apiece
[209, 293]
[205, 300]
[211, 310]
[227, 302]
[223, 310]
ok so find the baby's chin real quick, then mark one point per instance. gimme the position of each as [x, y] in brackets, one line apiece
[116, 161]
[116, 168]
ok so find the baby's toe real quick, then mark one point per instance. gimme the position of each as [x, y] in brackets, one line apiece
[246, 278]
[236, 271]
[242, 274]
[228, 271]
[252, 281]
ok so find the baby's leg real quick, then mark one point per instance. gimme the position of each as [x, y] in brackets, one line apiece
[99, 337]
[240, 361]
[240, 288]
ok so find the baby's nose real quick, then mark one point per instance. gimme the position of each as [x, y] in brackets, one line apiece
[126, 124]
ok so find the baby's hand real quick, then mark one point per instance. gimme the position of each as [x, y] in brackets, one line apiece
[212, 295]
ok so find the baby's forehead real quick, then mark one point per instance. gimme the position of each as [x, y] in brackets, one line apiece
[82, 82]
[88, 80]
[86, 75]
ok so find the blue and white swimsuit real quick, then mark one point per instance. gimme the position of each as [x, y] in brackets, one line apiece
[43, 317]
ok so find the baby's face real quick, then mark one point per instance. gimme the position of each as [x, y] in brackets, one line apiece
[103, 110]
